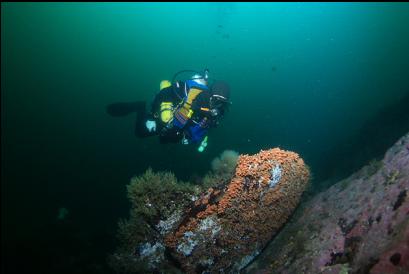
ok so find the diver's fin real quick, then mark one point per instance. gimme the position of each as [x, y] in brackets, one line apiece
[123, 109]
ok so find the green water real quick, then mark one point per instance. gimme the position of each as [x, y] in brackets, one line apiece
[304, 76]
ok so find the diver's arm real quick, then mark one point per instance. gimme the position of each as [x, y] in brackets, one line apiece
[155, 104]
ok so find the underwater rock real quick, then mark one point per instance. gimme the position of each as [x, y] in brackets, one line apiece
[228, 226]
[359, 225]
[173, 226]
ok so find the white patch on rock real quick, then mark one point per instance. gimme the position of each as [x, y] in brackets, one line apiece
[164, 226]
[188, 245]
[275, 176]
[155, 253]
[210, 223]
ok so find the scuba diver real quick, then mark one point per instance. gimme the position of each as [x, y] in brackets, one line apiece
[182, 111]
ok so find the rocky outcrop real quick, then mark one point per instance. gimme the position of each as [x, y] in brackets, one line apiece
[221, 229]
[228, 226]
